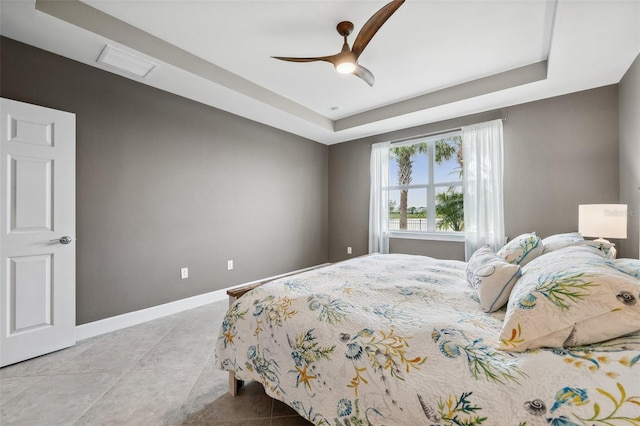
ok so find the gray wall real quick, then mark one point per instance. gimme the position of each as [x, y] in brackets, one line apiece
[559, 153]
[164, 182]
[629, 106]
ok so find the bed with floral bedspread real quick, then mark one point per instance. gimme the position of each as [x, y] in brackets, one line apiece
[403, 340]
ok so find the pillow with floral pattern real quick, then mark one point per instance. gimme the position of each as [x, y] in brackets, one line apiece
[570, 297]
[522, 249]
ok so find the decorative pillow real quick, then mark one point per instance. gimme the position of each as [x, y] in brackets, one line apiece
[522, 249]
[570, 297]
[558, 241]
[492, 277]
[628, 266]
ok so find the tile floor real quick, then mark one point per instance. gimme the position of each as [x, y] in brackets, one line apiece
[157, 373]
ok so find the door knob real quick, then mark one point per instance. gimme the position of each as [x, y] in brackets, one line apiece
[63, 240]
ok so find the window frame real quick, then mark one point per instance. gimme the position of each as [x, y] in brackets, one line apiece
[431, 187]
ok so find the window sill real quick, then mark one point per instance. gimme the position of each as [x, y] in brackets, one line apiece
[431, 236]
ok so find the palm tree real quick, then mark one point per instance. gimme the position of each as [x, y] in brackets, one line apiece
[450, 206]
[404, 158]
[450, 210]
[445, 148]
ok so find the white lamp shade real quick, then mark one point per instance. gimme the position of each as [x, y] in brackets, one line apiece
[602, 220]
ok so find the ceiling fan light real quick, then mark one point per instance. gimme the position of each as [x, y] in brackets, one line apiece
[346, 67]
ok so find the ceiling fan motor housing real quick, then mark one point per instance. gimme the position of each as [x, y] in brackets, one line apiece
[345, 28]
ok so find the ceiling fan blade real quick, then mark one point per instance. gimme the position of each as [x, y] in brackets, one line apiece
[364, 74]
[372, 26]
[320, 58]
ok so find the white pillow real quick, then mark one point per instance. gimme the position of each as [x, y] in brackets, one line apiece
[492, 277]
[570, 297]
[558, 241]
[522, 249]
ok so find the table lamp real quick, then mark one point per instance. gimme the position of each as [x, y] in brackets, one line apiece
[603, 221]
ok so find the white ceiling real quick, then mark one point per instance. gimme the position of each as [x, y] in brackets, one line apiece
[432, 60]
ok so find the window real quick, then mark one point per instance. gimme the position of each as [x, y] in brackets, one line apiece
[417, 192]
[425, 185]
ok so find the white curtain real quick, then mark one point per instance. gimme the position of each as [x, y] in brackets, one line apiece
[483, 202]
[379, 201]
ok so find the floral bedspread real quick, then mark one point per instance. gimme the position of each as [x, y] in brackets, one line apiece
[402, 340]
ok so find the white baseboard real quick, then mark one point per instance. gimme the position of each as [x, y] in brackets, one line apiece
[129, 319]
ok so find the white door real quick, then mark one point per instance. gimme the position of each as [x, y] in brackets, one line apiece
[37, 231]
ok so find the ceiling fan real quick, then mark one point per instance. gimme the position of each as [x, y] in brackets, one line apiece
[346, 61]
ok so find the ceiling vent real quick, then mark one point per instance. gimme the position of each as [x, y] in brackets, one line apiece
[126, 62]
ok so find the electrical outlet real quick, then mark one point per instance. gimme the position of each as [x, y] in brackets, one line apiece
[349, 251]
[229, 265]
[184, 273]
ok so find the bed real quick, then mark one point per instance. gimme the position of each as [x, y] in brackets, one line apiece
[410, 340]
